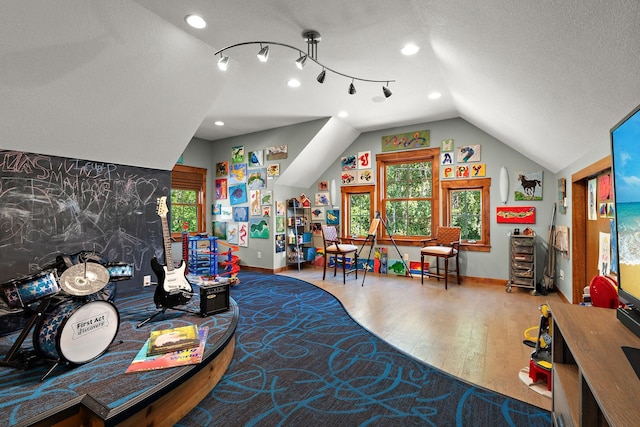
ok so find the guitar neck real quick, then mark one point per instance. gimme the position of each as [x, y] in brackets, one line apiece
[167, 244]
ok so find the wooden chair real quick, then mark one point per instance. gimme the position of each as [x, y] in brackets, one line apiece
[333, 246]
[445, 245]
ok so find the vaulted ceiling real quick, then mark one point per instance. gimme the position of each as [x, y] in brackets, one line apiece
[128, 81]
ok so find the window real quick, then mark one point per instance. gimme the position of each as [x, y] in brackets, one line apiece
[188, 195]
[466, 205]
[357, 209]
[408, 184]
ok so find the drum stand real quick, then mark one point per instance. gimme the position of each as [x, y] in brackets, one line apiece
[27, 357]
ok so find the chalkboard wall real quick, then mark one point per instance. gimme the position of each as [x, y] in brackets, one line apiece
[52, 205]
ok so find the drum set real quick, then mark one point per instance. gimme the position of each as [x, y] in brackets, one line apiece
[70, 308]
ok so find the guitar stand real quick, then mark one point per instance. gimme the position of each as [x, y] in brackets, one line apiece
[161, 311]
[26, 358]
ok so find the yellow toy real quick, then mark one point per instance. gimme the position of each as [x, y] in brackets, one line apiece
[540, 364]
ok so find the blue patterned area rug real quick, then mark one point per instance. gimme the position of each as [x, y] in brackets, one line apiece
[301, 360]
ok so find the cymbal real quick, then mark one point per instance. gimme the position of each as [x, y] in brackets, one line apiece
[84, 279]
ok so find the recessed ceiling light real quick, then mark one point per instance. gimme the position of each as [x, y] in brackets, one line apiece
[219, 123]
[293, 83]
[435, 95]
[195, 21]
[410, 49]
[343, 114]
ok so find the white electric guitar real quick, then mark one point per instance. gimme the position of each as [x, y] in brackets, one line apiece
[173, 287]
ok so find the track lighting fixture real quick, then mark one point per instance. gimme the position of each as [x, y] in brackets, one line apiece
[223, 63]
[387, 92]
[321, 76]
[352, 88]
[263, 55]
[301, 61]
[312, 38]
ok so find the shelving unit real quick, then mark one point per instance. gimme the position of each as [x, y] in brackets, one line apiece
[522, 261]
[593, 382]
[299, 238]
[203, 256]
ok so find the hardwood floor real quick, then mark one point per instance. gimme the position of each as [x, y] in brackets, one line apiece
[472, 331]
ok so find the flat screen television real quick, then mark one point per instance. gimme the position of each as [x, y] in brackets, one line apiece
[625, 152]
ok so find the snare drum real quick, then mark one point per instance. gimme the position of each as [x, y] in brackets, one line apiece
[119, 271]
[76, 332]
[19, 293]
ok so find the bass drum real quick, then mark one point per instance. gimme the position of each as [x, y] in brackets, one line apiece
[76, 332]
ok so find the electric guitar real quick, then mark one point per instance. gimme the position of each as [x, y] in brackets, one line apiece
[173, 287]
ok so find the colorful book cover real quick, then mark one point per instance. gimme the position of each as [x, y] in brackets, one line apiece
[190, 356]
[173, 339]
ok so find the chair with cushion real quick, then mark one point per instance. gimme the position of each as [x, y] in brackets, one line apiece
[445, 245]
[333, 246]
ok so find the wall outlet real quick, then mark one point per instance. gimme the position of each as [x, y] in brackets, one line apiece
[259, 255]
[561, 273]
[146, 281]
[406, 257]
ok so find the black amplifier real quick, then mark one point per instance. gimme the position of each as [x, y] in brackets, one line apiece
[214, 298]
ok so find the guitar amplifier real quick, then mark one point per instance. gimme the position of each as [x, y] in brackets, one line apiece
[214, 298]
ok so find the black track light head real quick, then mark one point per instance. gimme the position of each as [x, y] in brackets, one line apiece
[352, 89]
[387, 92]
[321, 76]
[263, 55]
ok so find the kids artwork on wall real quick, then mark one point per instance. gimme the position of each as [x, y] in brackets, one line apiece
[604, 187]
[349, 177]
[469, 153]
[405, 141]
[333, 216]
[529, 186]
[220, 230]
[446, 145]
[364, 160]
[225, 213]
[448, 172]
[256, 158]
[277, 152]
[266, 198]
[280, 208]
[222, 169]
[237, 154]
[273, 170]
[238, 173]
[462, 171]
[280, 220]
[516, 215]
[478, 170]
[238, 194]
[349, 163]
[266, 211]
[257, 178]
[243, 234]
[317, 214]
[232, 233]
[323, 186]
[254, 203]
[259, 228]
[365, 176]
[241, 214]
[221, 189]
[322, 199]
[446, 159]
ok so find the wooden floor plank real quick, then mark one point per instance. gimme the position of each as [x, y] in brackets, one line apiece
[473, 331]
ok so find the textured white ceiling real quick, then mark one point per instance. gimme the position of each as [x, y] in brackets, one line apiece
[129, 82]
